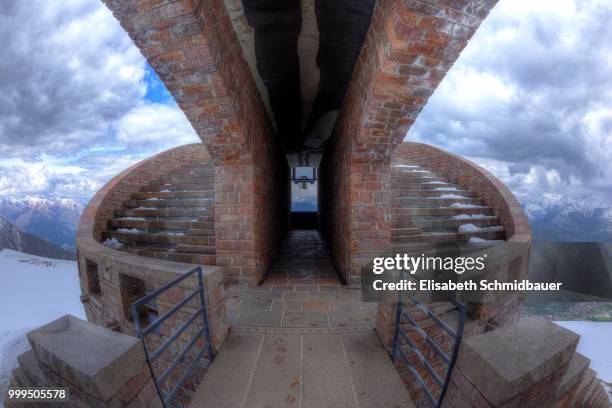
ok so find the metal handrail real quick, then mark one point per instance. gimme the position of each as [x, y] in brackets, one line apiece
[204, 332]
[456, 334]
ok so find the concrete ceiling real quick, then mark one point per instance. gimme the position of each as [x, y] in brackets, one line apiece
[285, 67]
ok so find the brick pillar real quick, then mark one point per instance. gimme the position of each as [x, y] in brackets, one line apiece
[192, 47]
[409, 48]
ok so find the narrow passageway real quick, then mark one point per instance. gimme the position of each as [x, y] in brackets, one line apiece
[301, 290]
[301, 339]
[303, 261]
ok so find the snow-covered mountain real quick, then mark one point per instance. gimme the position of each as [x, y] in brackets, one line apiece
[53, 219]
[13, 238]
[560, 218]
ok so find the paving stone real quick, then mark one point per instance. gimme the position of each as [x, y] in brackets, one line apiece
[317, 305]
[256, 304]
[347, 305]
[287, 305]
[227, 380]
[276, 381]
[375, 379]
[326, 375]
[295, 295]
[261, 318]
[344, 318]
[323, 295]
[305, 319]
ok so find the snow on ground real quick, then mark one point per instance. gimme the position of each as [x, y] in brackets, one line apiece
[595, 341]
[33, 291]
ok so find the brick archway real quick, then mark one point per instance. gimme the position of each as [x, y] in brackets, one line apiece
[409, 48]
[193, 47]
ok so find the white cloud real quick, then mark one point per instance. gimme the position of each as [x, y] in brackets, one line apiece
[532, 94]
[72, 100]
[155, 123]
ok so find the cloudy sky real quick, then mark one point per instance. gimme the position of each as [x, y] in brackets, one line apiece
[77, 101]
[530, 99]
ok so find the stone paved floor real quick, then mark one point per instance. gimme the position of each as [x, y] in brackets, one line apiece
[333, 370]
[302, 290]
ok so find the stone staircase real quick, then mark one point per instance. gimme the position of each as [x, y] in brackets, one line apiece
[429, 210]
[171, 218]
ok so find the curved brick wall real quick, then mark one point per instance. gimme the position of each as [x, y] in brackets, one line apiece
[104, 273]
[512, 257]
[475, 178]
[101, 209]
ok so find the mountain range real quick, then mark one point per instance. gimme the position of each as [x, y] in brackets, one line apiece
[13, 238]
[565, 219]
[52, 219]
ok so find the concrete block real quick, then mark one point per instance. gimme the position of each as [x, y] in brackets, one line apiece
[94, 359]
[506, 362]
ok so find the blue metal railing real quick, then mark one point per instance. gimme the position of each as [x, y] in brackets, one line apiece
[449, 360]
[204, 333]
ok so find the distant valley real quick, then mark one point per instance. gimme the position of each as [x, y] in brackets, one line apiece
[54, 219]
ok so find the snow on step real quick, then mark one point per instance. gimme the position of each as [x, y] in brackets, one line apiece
[471, 216]
[113, 243]
[180, 196]
[451, 198]
[447, 188]
[130, 231]
[447, 196]
[464, 205]
[474, 228]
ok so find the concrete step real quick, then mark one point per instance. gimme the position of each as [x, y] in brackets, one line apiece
[162, 203]
[184, 179]
[440, 211]
[178, 187]
[414, 178]
[403, 232]
[401, 185]
[429, 193]
[169, 195]
[305, 370]
[143, 237]
[144, 223]
[194, 258]
[22, 379]
[416, 202]
[201, 213]
[198, 249]
[450, 223]
[31, 369]
[438, 237]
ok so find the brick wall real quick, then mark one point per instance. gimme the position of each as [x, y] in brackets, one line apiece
[465, 173]
[110, 198]
[408, 50]
[193, 48]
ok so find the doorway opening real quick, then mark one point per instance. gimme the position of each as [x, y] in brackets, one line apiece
[304, 204]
